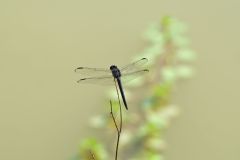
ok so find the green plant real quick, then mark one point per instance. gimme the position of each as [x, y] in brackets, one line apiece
[150, 97]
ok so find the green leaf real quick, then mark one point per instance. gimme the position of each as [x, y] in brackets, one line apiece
[162, 90]
[150, 155]
[176, 27]
[166, 21]
[180, 41]
[168, 74]
[186, 55]
[91, 145]
[184, 71]
[155, 143]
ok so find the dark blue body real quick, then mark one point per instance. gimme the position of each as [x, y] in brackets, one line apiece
[117, 75]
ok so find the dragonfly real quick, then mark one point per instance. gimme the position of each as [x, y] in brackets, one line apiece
[113, 75]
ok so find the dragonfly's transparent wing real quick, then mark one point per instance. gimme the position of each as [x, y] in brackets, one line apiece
[135, 66]
[103, 80]
[133, 75]
[93, 72]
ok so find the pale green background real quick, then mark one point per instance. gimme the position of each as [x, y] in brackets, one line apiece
[43, 112]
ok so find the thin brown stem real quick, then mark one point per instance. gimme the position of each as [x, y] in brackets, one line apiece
[118, 128]
[114, 120]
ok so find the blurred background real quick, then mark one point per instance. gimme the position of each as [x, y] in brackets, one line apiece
[44, 112]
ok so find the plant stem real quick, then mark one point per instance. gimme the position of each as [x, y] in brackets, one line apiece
[118, 128]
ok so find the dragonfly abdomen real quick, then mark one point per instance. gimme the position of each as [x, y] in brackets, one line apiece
[122, 92]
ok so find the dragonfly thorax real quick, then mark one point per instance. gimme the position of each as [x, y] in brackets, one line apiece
[115, 71]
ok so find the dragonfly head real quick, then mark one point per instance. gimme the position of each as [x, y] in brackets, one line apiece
[113, 67]
[115, 71]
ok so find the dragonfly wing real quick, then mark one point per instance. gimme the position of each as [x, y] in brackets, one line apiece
[135, 66]
[133, 75]
[103, 80]
[93, 72]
